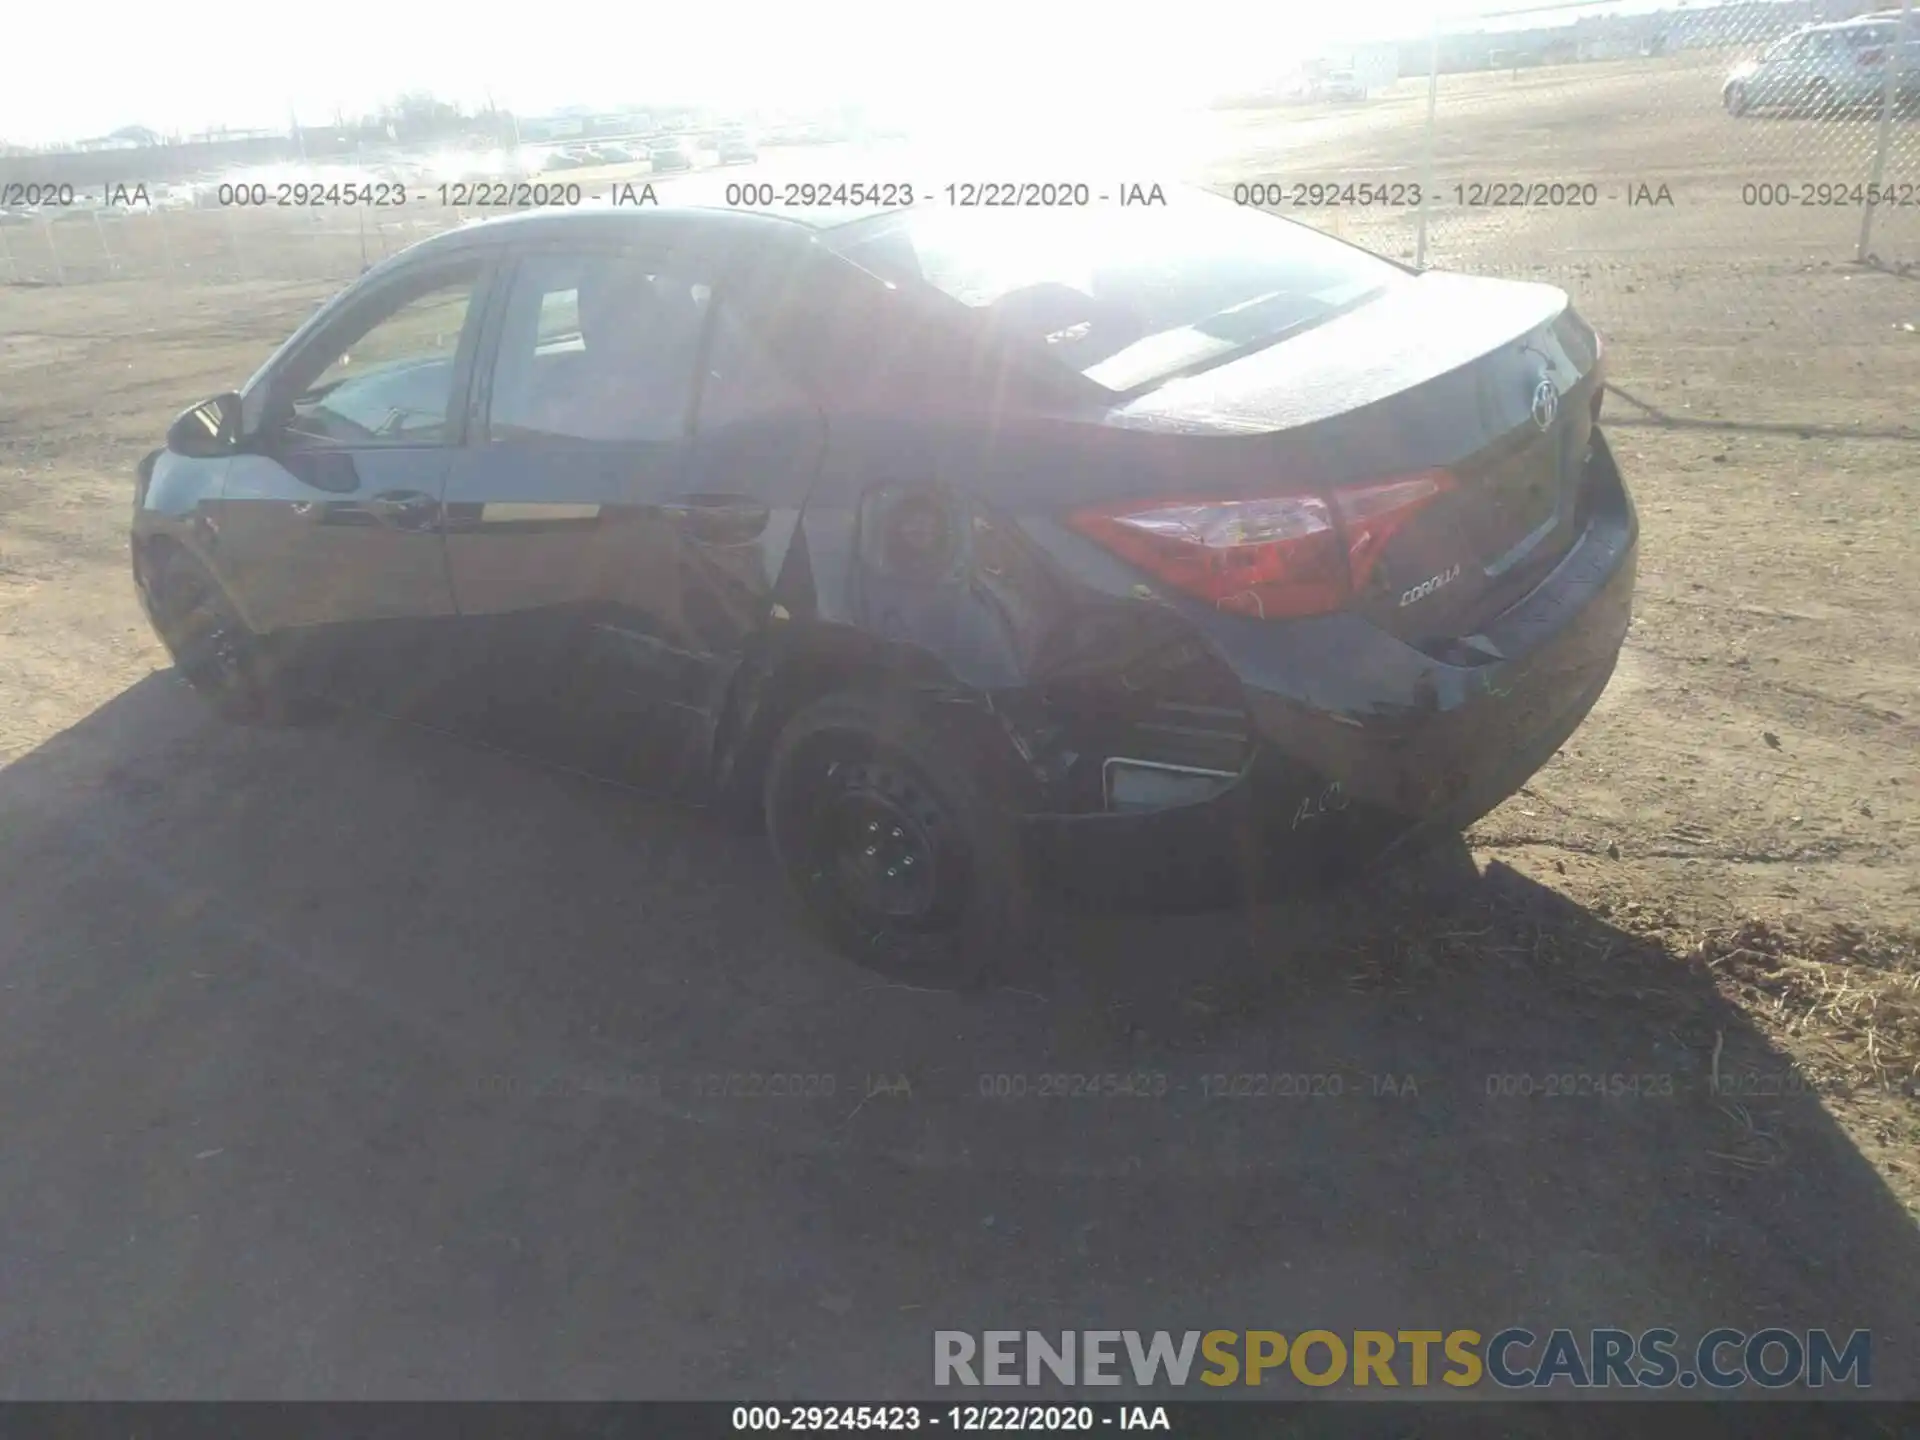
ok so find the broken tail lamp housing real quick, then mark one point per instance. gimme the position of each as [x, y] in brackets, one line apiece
[1274, 558]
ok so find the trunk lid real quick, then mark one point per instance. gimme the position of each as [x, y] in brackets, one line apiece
[1492, 381]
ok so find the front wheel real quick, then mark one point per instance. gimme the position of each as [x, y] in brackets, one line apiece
[213, 648]
[896, 827]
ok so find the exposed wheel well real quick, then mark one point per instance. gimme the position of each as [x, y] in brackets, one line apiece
[804, 666]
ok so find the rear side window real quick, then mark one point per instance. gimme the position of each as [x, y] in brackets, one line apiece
[1126, 296]
[744, 384]
[596, 347]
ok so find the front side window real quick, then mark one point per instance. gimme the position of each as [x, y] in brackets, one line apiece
[596, 347]
[1127, 300]
[390, 379]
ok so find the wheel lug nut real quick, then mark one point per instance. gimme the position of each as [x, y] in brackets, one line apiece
[896, 832]
[872, 826]
[873, 849]
[907, 861]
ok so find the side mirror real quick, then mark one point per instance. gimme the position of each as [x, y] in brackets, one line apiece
[208, 430]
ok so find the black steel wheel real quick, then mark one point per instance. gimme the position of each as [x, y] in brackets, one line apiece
[897, 829]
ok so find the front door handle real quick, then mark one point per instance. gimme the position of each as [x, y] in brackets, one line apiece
[405, 509]
[719, 519]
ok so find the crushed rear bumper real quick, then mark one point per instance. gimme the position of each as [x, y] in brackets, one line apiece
[1366, 746]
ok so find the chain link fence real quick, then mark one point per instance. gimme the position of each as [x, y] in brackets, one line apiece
[1731, 136]
[1700, 179]
[192, 245]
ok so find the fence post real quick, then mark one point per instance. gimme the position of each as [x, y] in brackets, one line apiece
[233, 235]
[53, 251]
[1433, 107]
[159, 218]
[106, 250]
[1889, 94]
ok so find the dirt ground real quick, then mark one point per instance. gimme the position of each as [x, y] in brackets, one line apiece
[366, 1062]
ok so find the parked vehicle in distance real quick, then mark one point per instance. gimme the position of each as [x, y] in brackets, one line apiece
[736, 150]
[669, 155]
[1822, 69]
[1340, 85]
[1257, 559]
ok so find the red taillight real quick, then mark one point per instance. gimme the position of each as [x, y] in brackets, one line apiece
[1275, 558]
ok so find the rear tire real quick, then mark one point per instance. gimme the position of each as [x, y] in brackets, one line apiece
[1820, 100]
[214, 650]
[897, 829]
[1736, 100]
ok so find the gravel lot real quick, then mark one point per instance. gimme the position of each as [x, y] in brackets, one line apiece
[364, 1062]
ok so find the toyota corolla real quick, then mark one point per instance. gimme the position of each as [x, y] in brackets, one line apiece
[1160, 550]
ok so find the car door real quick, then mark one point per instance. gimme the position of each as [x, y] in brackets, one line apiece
[1781, 75]
[610, 551]
[584, 418]
[327, 531]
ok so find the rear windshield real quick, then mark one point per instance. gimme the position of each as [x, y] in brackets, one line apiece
[1128, 296]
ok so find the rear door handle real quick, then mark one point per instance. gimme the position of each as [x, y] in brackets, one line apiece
[719, 519]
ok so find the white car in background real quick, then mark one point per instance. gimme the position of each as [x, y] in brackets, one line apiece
[1339, 85]
[1825, 68]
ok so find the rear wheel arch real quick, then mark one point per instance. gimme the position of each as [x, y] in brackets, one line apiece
[806, 665]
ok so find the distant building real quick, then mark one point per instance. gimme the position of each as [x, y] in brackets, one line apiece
[127, 137]
[552, 127]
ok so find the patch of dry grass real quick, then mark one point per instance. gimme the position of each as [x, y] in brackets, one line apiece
[1844, 1000]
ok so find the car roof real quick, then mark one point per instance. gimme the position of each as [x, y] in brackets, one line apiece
[1859, 22]
[664, 223]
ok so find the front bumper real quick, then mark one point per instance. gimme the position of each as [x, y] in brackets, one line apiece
[1366, 745]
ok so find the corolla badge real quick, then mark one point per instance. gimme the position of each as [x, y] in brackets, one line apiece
[1428, 586]
[1546, 403]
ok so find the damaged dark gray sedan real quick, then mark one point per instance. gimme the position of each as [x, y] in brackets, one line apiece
[1169, 552]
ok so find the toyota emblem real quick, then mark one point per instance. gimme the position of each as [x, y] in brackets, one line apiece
[1546, 403]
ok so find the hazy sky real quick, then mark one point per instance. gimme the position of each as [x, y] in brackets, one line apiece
[250, 65]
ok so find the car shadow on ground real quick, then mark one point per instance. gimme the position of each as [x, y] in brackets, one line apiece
[358, 1062]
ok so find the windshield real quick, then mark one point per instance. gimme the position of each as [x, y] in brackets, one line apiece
[1128, 297]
